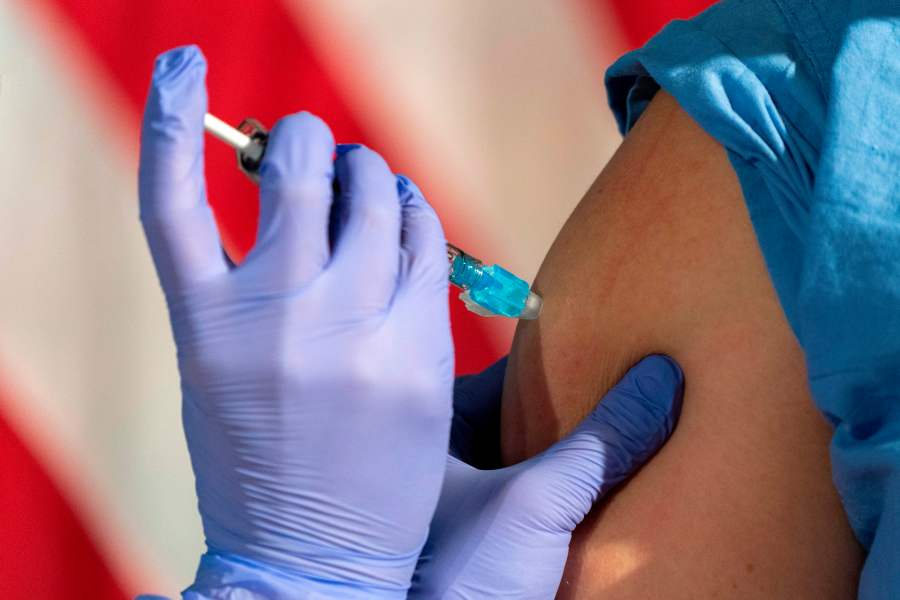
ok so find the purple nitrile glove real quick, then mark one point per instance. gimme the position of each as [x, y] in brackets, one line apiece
[317, 375]
[505, 533]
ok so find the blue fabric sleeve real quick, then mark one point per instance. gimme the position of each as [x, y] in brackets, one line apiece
[805, 97]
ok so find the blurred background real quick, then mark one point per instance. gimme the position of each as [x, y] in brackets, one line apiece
[495, 108]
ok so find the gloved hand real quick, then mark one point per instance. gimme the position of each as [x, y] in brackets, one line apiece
[504, 533]
[317, 375]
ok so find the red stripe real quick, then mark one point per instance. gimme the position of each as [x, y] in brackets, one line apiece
[259, 65]
[44, 549]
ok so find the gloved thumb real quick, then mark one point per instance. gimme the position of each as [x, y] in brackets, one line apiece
[626, 428]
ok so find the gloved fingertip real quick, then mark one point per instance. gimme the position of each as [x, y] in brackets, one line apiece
[343, 149]
[660, 381]
[301, 146]
[409, 192]
[354, 164]
[175, 64]
[177, 99]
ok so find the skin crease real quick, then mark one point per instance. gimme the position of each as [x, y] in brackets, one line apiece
[660, 256]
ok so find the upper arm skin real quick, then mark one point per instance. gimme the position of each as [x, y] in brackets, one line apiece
[660, 256]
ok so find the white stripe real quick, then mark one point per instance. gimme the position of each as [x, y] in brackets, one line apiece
[498, 106]
[83, 326]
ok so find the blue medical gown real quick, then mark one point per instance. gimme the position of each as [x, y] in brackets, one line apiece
[805, 97]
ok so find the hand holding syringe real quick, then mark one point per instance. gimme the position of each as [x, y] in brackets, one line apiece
[487, 290]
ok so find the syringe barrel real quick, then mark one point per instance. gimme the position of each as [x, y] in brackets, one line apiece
[493, 288]
[465, 270]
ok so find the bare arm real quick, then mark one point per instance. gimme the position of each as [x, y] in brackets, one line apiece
[660, 256]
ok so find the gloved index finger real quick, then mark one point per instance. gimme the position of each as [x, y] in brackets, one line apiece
[366, 252]
[178, 222]
[475, 431]
[424, 247]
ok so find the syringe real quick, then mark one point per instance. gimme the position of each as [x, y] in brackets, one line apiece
[489, 291]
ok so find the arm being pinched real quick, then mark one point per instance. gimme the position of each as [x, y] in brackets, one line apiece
[660, 256]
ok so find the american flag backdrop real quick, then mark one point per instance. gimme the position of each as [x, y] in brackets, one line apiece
[494, 107]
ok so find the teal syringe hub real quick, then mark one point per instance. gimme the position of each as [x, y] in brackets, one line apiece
[491, 287]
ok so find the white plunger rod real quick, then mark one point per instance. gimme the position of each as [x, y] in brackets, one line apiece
[226, 132]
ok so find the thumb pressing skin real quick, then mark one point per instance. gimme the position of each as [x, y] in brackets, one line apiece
[626, 428]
